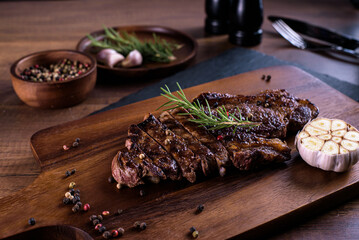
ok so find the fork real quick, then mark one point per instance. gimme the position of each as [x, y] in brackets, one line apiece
[298, 41]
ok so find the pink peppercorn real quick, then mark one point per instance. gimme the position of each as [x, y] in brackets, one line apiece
[219, 137]
[86, 207]
[114, 233]
[98, 226]
[65, 147]
[105, 213]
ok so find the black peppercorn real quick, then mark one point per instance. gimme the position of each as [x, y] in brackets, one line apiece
[77, 140]
[111, 179]
[77, 191]
[95, 222]
[73, 171]
[93, 217]
[72, 191]
[263, 77]
[268, 78]
[192, 229]
[75, 208]
[215, 104]
[75, 144]
[259, 103]
[66, 200]
[76, 199]
[143, 226]
[102, 229]
[106, 235]
[32, 221]
[200, 208]
[79, 204]
[67, 174]
[121, 231]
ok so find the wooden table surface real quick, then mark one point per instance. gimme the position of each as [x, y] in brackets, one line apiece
[31, 26]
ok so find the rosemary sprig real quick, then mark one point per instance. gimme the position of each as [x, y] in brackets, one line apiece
[155, 50]
[223, 119]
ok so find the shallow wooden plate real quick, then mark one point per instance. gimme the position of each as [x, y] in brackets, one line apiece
[184, 55]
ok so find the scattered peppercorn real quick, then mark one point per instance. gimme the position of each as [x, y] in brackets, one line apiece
[268, 78]
[100, 217]
[75, 208]
[105, 213]
[143, 226]
[219, 137]
[142, 193]
[86, 207]
[102, 229]
[73, 171]
[263, 77]
[72, 185]
[75, 144]
[67, 174]
[77, 191]
[77, 140]
[32, 221]
[98, 226]
[192, 229]
[121, 231]
[79, 204]
[106, 235]
[137, 224]
[114, 233]
[66, 200]
[93, 217]
[65, 147]
[200, 208]
[111, 179]
[95, 222]
[75, 199]
[63, 70]
[195, 234]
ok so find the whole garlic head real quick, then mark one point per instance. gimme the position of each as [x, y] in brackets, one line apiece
[329, 144]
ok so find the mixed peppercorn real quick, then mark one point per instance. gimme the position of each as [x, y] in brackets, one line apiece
[63, 70]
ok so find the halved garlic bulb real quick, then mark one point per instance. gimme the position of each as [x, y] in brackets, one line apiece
[329, 144]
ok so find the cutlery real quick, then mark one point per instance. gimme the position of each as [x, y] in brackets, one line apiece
[298, 41]
[319, 32]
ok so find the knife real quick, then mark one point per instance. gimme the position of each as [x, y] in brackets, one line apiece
[319, 32]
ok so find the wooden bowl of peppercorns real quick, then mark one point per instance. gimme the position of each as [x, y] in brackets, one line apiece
[54, 78]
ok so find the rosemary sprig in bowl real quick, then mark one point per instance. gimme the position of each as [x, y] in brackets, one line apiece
[152, 50]
[222, 118]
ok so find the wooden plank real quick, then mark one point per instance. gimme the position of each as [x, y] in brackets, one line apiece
[240, 204]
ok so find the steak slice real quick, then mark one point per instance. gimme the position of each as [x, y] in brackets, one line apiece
[130, 166]
[206, 138]
[154, 151]
[257, 152]
[208, 162]
[277, 110]
[173, 144]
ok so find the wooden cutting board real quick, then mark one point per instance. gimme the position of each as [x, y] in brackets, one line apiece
[241, 204]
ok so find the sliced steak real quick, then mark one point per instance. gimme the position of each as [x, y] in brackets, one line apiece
[277, 110]
[154, 151]
[206, 138]
[173, 144]
[208, 162]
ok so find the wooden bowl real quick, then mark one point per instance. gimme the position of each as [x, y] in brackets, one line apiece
[53, 94]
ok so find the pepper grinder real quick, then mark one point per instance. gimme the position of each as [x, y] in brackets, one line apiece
[246, 18]
[217, 16]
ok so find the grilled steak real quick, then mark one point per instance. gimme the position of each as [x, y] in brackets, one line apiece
[154, 151]
[174, 145]
[208, 162]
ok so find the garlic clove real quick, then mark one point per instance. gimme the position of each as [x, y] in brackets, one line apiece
[314, 131]
[133, 59]
[326, 149]
[338, 125]
[352, 135]
[109, 57]
[322, 123]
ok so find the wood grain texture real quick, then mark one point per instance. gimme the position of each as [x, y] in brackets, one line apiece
[247, 205]
[31, 26]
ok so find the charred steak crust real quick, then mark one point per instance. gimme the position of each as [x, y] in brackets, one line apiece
[173, 144]
[206, 157]
[205, 137]
[160, 158]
